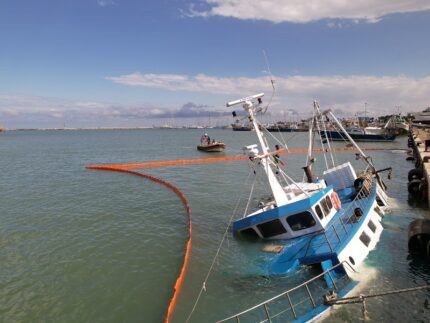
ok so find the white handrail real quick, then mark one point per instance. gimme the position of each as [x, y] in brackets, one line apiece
[288, 291]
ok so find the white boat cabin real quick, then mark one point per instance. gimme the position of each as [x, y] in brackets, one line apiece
[300, 217]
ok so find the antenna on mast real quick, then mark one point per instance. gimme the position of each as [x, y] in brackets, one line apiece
[272, 81]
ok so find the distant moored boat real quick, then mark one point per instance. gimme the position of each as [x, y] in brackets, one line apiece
[358, 135]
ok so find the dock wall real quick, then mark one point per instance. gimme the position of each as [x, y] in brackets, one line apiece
[419, 176]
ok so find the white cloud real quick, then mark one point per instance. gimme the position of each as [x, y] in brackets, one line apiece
[293, 94]
[106, 3]
[299, 91]
[173, 82]
[22, 103]
[89, 104]
[299, 11]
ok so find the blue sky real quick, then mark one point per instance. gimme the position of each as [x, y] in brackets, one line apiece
[96, 63]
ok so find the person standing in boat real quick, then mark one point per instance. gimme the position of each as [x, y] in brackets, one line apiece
[205, 139]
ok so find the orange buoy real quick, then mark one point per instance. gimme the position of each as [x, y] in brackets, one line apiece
[336, 201]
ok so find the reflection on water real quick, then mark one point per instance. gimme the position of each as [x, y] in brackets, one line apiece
[419, 269]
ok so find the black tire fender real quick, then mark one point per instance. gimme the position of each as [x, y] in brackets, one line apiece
[415, 173]
[414, 187]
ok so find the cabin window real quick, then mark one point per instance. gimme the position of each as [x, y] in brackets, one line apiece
[328, 201]
[319, 212]
[325, 207]
[371, 226]
[365, 239]
[271, 228]
[250, 233]
[356, 215]
[378, 210]
[379, 201]
[301, 221]
[358, 212]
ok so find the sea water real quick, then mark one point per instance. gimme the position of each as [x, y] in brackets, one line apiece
[80, 245]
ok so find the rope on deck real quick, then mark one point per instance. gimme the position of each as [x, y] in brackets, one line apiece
[330, 298]
[178, 192]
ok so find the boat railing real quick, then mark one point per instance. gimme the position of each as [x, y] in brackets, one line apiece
[298, 300]
[335, 234]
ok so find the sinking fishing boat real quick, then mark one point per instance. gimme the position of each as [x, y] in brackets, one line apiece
[330, 222]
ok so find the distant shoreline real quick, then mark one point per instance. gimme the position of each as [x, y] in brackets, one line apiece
[108, 128]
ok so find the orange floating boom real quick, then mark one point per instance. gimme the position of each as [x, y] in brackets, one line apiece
[218, 159]
[180, 279]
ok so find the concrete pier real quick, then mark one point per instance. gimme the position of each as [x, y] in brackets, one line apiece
[421, 172]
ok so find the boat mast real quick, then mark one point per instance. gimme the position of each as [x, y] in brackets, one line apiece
[277, 190]
[309, 160]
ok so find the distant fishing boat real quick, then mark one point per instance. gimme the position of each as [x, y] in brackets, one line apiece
[240, 127]
[358, 134]
[331, 222]
[396, 124]
[281, 127]
[422, 118]
[210, 146]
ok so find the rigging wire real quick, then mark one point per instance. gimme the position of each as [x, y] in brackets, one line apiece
[325, 131]
[283, 144]
[203, 288]
[272, 81]
[285, 176]
[250, 196]
[311, 143]
[321, 119]
[322, 142]
[294, 183]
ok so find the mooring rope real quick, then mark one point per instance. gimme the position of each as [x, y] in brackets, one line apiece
[361, 297]
[224, 237]
[178, 192]
[330, 299]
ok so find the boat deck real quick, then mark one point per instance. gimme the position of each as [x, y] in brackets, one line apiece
[327, 244]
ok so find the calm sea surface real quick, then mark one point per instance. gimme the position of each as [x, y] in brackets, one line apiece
[80, 245]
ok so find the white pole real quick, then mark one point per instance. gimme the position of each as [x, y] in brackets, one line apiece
[277, 190]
